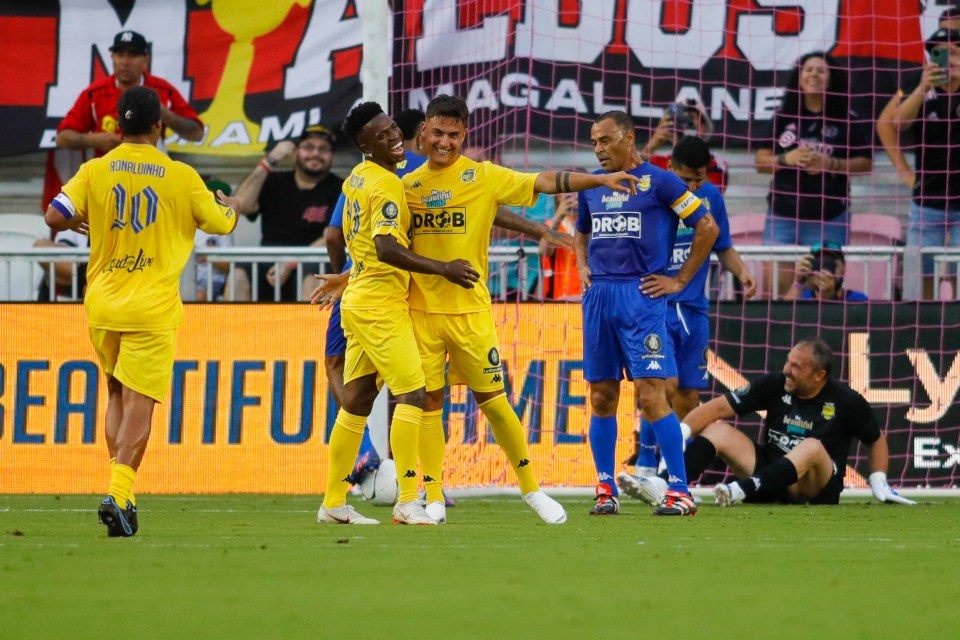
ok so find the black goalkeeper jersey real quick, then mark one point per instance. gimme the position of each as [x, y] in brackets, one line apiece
[834, 416]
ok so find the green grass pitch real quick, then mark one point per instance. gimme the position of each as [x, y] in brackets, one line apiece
[243, 566]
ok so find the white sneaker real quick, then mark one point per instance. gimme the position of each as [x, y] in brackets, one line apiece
[344, 514]
[411, 513]
[438, 511]
[728, 495]
[648, 490]
[549, 510]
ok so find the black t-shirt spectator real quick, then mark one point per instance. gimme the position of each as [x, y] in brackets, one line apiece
[797, 194]
[834, 416]
[293, 217]
[937, 132]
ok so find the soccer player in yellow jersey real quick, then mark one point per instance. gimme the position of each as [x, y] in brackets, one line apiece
[142, 211]
[454, 202]
[376, 319]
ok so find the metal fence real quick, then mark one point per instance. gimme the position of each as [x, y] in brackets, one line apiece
[887, 272]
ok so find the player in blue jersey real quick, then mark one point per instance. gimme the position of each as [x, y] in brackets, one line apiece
[409, 121]
[688, 327]
[623, 244]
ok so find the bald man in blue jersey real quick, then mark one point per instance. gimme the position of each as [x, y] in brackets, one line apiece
[623, 245]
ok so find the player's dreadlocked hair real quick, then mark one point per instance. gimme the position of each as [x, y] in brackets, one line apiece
[358, 118]
[447, 106]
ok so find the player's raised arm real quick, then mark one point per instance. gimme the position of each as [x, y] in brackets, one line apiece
[506, 219]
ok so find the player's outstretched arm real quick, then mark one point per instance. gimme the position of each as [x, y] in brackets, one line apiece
[459, 272]
[706, 414]
[506, 219]
[567, 181]
[878, 458]
[330, 289]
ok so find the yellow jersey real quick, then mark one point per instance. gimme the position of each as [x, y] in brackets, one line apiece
[143, 210]
[453, 210]
[374, 205]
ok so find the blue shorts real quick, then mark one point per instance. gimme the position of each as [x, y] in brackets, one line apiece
[806, 233]
[688, 334]
[624, 330]
[336, 341]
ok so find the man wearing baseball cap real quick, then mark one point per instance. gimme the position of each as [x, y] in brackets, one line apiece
[294, 208]
[933, 111]
[91, 124]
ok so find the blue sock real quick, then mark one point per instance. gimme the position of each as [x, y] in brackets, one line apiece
[667, 429]
[366, 446]
[603, 445]
[647, 456]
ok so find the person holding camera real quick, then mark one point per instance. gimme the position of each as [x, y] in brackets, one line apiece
[684, 118]
[819, 276]
[933, 110]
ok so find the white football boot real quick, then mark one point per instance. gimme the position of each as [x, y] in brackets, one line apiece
[344, 514]
[549, 510]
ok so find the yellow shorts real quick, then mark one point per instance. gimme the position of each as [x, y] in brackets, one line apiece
[381, 341]
[470, 339]
[140, 360]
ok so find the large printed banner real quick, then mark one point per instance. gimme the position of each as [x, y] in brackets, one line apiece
[249, 410]
[261, 71]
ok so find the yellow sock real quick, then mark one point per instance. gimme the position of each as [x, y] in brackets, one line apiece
[508, 432]
[404, 442]
[343, 449]
[121, 484]
[431, 454]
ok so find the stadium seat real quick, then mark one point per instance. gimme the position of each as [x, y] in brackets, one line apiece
[19, 279]
[873, 276]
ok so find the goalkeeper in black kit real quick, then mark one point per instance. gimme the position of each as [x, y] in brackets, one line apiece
[802, 455]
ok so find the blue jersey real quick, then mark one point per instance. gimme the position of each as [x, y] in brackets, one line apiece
[632, 236]
[695, 294]
[413, 161]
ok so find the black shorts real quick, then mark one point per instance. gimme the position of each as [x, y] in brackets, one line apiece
[829, 494]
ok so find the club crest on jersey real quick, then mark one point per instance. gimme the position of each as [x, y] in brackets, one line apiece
[653, 343]
[644, 184]
[468, 176]
[624, 224]
[829, 411]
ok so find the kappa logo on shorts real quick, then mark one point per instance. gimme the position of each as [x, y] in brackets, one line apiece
[391, 211]
[653, 365]
[653, 343]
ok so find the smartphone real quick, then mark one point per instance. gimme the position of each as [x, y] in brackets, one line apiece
[940, 56]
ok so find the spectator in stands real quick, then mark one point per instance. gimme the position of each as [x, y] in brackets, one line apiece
[92, 121]
[933, 111]
[680, 119]
[561, 280]
[801, 456]
[295, 206]
[819, 276]
[219, 270]
[63, 271]
[887, 131]
[818, 142]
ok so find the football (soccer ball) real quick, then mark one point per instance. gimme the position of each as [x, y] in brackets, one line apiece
[380, 485]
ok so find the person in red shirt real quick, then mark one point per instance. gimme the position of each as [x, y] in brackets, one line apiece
[91, 124]
[688, 117]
